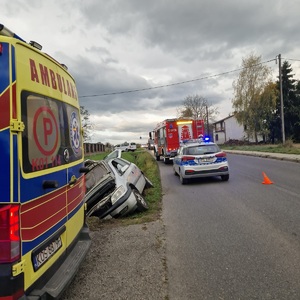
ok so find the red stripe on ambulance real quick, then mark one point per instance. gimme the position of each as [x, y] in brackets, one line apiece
[75, 195]
[40, 215]
[4, 112]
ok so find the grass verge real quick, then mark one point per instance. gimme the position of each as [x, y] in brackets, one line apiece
[288, 148]
[148, 165]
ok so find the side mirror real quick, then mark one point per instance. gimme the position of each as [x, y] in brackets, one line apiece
[124, 168]
[84, 170]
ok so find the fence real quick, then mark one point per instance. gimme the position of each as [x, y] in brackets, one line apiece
[90, 148]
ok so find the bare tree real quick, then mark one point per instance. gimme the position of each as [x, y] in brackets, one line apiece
[85, 123]
[197, 107]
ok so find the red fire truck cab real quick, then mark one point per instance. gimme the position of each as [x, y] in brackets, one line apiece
[170, 133]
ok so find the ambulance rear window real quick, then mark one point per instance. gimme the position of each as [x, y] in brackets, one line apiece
[52, 135]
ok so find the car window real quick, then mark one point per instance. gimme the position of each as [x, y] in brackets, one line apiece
[181, 151]
[120, 165]
[94, 176]
[186, 151]
[201, 150]
[51, 137]
[112, 155]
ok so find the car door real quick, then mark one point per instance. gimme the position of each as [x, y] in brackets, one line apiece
[177, 160]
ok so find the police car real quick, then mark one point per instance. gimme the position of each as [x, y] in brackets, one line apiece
[200, 158]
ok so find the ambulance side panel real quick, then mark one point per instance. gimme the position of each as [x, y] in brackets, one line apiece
[41, 156]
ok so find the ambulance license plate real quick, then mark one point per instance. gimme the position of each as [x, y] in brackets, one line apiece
[40, 258]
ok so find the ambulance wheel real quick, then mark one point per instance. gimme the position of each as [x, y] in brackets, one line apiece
[140, 201]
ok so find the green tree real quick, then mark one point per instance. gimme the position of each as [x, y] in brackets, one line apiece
[291, 104]
[297, 114]
[266, 108]
[291, 107]
[85, 123]
[253, 100]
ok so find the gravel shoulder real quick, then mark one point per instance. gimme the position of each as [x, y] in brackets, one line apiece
[124, 262]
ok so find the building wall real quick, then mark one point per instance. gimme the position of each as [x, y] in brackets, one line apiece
[219, 137]
[229, 129]
[234, 131]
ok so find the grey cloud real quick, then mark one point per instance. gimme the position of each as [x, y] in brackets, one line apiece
[169, 41]
[189, 27]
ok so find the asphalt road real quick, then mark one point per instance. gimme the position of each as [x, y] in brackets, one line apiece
[234, 240]
[215, 240]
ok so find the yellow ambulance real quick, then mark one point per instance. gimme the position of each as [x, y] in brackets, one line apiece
[43, 234]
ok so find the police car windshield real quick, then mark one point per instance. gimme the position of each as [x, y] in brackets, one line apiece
[201, 150]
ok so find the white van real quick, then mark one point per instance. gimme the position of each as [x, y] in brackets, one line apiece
[132, 147]
[126, 147]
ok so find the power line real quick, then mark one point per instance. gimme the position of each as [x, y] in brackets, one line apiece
[173, 84]
[292, 59]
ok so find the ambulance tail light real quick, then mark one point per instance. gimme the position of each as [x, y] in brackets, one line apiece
[9, 233]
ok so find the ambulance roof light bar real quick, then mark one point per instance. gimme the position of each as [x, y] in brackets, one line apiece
[35, 45]
[6, 32]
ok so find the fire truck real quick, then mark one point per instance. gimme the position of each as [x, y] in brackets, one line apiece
[170, 133]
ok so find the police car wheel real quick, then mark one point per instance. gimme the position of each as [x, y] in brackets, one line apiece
[140, 201]
[225, 177]
[182, 180]
[175, 173]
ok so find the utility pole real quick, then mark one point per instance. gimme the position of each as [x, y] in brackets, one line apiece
[207, 124]
[281, 101]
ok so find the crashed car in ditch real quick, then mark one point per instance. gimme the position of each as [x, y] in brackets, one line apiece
[114, 187]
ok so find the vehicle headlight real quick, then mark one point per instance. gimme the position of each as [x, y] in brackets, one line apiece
[118, 193]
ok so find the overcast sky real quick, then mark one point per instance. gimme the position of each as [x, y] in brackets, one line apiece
[114, 46]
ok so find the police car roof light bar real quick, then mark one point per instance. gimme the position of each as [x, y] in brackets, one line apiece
[6, 32]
